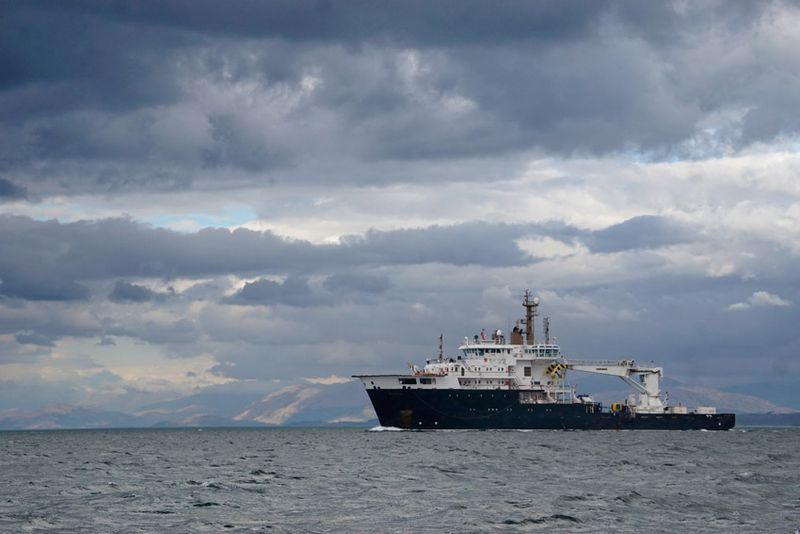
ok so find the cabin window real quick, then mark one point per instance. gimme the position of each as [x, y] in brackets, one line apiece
[408, 381]
[527, 371]
[427, 381]
[462, 371]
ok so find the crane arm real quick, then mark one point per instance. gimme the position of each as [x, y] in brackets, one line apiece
[647, 385]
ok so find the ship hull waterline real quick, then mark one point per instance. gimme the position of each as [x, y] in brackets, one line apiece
[452, 409]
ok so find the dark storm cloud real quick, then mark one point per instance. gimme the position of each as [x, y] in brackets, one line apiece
[34, 338]
[98, 97]
[50, 260]
[294, 291]
[642, 232]
[233, 147]
[355, 282]
[411, 22]
[465, 244]
[73, 59]
[42, 323]
[11, 191]
[36, 284]
[126, 292]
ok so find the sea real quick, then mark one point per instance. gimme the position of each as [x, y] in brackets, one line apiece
[378, 480]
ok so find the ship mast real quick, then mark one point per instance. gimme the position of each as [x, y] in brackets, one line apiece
[531, 304]
[547, 330]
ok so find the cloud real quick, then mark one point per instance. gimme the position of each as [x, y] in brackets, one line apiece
[327, 380]
[34, 339]
[127, 292]
[106, 341]
[354, 282]
[759, 299]
[50, 260]
[258, 95]
[643, 232]
[294, 291]
[34, 284]
[11, 191]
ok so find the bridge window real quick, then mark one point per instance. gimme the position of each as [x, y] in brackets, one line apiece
[427, 380]
[408, 381]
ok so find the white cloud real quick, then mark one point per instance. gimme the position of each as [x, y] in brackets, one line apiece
[327, 380]
[759, 299]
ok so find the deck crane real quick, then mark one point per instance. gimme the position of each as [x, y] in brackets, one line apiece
[646, 380]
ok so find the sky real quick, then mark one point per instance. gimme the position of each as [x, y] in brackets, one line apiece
[235, 196]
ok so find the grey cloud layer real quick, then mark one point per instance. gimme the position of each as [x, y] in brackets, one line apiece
[642, 232]
[52, 261]
[49, 260]
[126, 292]
[11, 191]
[117, 97]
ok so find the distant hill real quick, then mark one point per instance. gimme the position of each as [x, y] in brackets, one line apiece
[314, 403]
[65, 416]
[208, 405]
[343, 404]
[781, 393]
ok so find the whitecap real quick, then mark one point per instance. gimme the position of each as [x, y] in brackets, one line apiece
[380, 428]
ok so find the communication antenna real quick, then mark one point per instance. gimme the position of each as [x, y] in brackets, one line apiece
[547, 330]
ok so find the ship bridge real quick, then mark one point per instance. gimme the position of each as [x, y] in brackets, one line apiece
[484, 348]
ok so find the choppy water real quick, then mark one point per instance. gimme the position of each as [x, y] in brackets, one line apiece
[346, 480]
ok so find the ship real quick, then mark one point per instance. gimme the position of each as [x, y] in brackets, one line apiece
[521, 383]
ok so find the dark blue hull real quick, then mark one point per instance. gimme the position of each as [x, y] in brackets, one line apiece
[431, 409]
